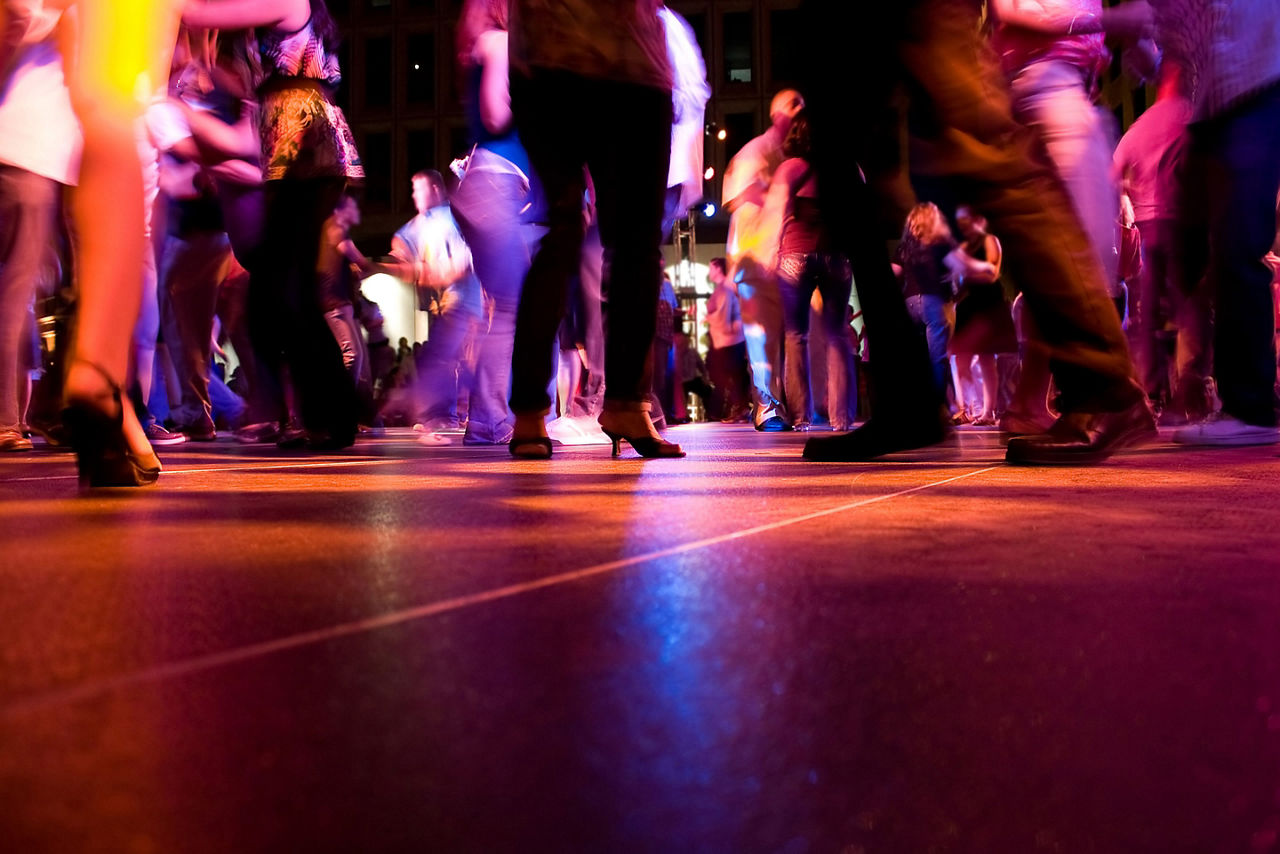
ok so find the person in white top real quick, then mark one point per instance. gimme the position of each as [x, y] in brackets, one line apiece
[431, 253]
[752, 249]
[39, 152]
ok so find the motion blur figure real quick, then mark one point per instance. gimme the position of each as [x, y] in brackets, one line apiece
[962, 133]
[1227, 212]
[752, 249]
[39, 153]
[580, 107]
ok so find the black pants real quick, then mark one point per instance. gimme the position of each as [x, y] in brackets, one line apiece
[622, 133]
[285, 319]
[961, 135]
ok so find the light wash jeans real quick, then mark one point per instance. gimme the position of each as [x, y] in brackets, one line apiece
[1050, 97]
[931, 312]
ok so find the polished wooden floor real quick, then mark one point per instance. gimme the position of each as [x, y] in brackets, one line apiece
[403, 648]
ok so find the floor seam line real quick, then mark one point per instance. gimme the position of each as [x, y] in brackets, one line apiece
[211, 661]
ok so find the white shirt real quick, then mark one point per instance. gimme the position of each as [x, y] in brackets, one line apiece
[689, 96]
[38, 130]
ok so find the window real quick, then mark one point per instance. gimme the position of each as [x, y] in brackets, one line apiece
[698, 22]
[377, 69]
[376, 154]
[459, 141]
[741, 128]
[786, 45]
[421, 149]
[420, 69]
[738, 47]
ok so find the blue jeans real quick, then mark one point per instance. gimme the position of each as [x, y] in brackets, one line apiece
[488, 207]
[931, 313]
[829, 275]
[442, 354]
[1051, 97]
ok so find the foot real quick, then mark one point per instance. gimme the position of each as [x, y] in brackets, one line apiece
[161, 437]
[1223, 430]
[200, 431]
[638, 430]
[264, 432]
[529, 440]
[13, 440]
[875, 439]
[1084, 438]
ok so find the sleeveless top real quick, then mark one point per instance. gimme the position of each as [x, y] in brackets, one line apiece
[304, 134]
[803, 232]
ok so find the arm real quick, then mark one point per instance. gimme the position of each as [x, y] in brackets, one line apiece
[288, 15]
[1127, 21]
[964, 266]
[995, 254]
[218, 140]
[495, 82]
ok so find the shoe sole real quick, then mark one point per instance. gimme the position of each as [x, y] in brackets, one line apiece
[1228, 442]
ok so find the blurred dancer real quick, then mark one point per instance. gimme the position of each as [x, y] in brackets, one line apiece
[495, 206]
[431, 253]
[1227, 212]
[309, 155]
[579, 107]
[963, 133]
[727, 358]
[984, 324]
[39, 153]
[806, 264]
[122, 47]
[752, 249]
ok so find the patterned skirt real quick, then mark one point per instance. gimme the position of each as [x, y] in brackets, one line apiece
[304, 135]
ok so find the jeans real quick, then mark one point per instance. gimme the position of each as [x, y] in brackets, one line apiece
[442, 354]
[488, 206]
[728, 369]
[28, 206]
[1227, 225]
[829, 276]
[962, 132]
[1051, 98]
[342, 323]
[625, 143]
[194, 267]
[930, 313]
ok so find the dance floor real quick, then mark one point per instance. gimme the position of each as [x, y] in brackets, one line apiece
[411, 648]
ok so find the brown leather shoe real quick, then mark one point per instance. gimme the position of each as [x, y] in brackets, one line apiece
[1084, 438]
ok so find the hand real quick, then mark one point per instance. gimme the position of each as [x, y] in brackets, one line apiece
[1130, 22]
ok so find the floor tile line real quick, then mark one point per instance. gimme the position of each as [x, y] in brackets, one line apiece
[184, 667]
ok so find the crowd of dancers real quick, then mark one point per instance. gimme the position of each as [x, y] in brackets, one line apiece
[216, 185]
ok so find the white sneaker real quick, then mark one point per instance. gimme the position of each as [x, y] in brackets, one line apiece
[1222, 430]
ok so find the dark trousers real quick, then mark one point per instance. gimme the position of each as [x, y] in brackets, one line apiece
[621, 133]
[285, 318]
[1227, 225]
[962, 134]
[728, 369]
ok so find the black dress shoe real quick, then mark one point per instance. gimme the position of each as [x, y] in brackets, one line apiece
[1083, 438]
[773, 424]
[875, 439]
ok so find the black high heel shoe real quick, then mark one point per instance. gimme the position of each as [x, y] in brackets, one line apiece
[649, 445]
[103, 455]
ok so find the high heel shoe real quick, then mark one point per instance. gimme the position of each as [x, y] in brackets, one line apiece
[648, 444]
[103, 455]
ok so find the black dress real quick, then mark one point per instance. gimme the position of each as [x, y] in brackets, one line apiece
[984, 323]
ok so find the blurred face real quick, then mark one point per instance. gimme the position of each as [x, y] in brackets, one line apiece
[349, 212]
[964, 219]
[715, 274]
[424, 195]
[784, 107]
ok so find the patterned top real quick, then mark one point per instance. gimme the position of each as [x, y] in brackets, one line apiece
[304, 134]
[299, 54]
[1231, 48]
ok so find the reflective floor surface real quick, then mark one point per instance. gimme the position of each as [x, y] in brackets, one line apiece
[409, 648]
